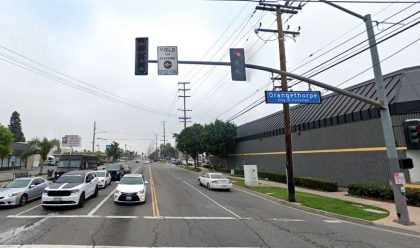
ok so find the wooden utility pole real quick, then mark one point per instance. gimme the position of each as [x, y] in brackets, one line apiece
[286, 111]
[94, 136]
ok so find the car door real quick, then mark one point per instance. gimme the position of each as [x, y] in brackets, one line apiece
[32, 189]
[108, 178]
[41, 186]
[38, 188]
[89, 182]
[205, 179]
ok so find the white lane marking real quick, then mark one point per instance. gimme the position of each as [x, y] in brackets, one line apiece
[332, 221]
[51, 216]
[106, 198]
[189, 218]
[120, 217]
[322, 216]
[29, 209]
[215, 202]
[101, 203]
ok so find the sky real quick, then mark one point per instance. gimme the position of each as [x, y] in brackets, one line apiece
[66, 64]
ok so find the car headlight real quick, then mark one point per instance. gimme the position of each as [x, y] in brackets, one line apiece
[117, 192]
[14, 194]
[141, 191]
[74, 191]
[102, 180]
[45, 191]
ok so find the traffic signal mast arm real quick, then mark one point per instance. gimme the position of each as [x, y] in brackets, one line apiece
[361, 98]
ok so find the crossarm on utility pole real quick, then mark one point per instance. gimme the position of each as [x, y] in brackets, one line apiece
[361, 98]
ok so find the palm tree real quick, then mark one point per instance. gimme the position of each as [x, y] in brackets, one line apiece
[43, 148]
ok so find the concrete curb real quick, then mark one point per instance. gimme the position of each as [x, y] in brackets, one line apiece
[328, 214]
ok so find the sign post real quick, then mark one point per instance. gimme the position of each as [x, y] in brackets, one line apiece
[167, 60]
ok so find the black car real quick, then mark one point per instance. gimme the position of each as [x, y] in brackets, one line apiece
[116, 171]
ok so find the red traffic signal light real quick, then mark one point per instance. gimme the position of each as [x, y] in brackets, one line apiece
[237, 64]
[141, 56]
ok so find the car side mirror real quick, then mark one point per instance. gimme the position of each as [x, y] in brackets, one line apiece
[116, 182]
[32, 186]
[88, 180]
[146, 182]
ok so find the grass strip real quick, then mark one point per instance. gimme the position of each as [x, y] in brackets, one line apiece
[328, 204]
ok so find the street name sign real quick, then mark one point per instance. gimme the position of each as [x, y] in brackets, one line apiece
[108, 147]
[293, 97]
[167, 60]
[71, 141]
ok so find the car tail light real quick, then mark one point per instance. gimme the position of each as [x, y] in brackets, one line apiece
[215, 181]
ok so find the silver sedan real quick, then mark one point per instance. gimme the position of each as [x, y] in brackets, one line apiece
[21, 190]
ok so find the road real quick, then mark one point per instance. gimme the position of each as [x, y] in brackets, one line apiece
[179, 213]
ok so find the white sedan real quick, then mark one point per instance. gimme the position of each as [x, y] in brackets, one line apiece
[104, 178]
[215, 181]
[131, 189]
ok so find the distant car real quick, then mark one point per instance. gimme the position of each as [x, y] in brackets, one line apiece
[131, 189]
[104, 178]
[21, 190]
[71, 189]
[116, 171]
[146, 162]
[190, 161]
[215, 181]
[137, 162]
[127, 169]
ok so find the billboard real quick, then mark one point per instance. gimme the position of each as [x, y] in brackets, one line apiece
[71, 141]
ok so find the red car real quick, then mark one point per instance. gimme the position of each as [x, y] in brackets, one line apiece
[127, 170]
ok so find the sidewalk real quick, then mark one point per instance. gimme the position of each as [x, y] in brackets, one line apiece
[4, 175]
[414, 212]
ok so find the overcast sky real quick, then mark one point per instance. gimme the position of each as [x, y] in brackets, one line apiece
[93, 43]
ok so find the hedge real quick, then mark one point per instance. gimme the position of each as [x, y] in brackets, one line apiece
[306, 182]
[383, 193]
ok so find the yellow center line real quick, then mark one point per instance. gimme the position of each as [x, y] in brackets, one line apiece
[155, 208]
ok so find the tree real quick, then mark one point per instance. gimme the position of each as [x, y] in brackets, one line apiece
[219, 138]
[114, 151]
[152, 156]
[43, 148]
[15, 127]
[189, 141]
[167, 151]
[6, 141]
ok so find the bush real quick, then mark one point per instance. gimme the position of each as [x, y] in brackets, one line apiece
[383, 193]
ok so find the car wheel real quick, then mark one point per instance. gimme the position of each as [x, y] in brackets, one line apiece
[208, 186]
[23, 200]
[96, 192]
[81, 200]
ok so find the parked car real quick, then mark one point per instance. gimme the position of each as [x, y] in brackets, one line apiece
[215, 181]
[71, 189]
[116, 171]
[131, 189]
[104, 178]
[22, 190]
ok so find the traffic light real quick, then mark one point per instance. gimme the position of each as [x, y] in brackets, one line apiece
[142, 56]
[237, 64]
[412, 134]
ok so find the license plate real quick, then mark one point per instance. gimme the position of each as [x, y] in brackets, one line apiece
[57, 199]
[128, 198]
[224, 186]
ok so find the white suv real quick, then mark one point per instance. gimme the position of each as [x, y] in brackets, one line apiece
[71, 189]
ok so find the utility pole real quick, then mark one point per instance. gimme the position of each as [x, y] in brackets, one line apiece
[94, 136]
[184, 118]
[164, 139]
[280, 9]
[156, 155]
[386, 121]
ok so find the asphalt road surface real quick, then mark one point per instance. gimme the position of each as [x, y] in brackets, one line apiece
[179, 213]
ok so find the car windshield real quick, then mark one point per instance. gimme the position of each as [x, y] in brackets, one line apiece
[218, 176]
[113, 167]
[69, 163]
[70, 179]
[19, 183]
[131, 180]
[101, 173]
